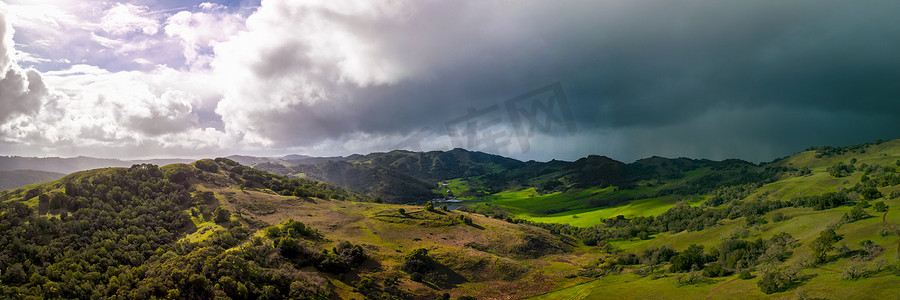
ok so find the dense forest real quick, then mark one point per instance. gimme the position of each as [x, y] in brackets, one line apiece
[119, 233]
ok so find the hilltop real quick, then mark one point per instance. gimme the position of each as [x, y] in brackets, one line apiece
[822, 223]
[215, 228]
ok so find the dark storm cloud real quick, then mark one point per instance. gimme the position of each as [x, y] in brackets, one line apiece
[655, 66]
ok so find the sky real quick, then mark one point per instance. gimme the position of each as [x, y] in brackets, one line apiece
[541, 80]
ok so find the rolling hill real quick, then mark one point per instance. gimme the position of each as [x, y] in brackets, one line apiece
[215, 228]
[820, 224]
[16, 178]
[404, 176]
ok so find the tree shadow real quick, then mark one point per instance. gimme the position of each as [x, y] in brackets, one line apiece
[476, 226]
[443, 277]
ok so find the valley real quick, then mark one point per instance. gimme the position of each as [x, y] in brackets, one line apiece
[820, 224]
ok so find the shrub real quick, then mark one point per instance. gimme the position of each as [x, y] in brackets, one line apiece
[466, 219]
[223, 215]
[870, 193]
[854, 272]
[273, 232]
[714, 271]
[417, 261]
[778, 217]
[855, 214]
[207, 165]
[692, 256]
[352, 254]
[745, 274]
[774, 282]
[880, 207]
[333, 264]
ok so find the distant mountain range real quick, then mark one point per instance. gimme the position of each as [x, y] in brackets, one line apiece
[403, 176]
[16, 178]
[75, 164]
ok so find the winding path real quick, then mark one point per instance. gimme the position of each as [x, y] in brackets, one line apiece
[721, 286]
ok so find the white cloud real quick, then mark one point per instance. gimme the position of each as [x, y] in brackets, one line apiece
[86, 106]
[212, 6]
[78, 69]
[128, 18]
[296, 54]
[6, 40]
[21, 91]
[199, 32]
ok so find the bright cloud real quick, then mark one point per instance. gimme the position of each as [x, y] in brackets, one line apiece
[127, 18]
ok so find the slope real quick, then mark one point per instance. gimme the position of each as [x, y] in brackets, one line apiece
[215, 228]
[827, 228]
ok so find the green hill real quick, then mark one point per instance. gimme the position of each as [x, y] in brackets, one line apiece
[216, 229]
[819, 193]
[821, 224]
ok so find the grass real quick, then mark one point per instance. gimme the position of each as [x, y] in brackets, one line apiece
[804, 224]
[531, 202]
[629, 286]
[593, 216]
[484, 255]
[204, 229]
[456, 186]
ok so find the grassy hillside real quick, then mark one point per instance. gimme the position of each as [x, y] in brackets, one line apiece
[822, 224]
[214, 228]
[864, 260]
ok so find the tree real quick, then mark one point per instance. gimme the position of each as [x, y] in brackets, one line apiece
[691, 258]
[352, 254]
[824, 243]
[416, 276]
[223, 215]
[207, 165]
[289, 247]
[417, 261]
[880, 207]
[15, 274]
[855, 214]
[774, 282]
[43, 203]
[401, 211]
[870, 193]
[273, 232]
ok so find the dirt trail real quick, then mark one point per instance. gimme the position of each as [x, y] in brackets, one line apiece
[719, 287]
[829, 270]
